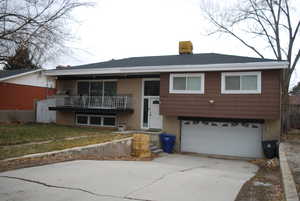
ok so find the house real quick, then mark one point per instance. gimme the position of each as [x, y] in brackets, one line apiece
[213, 103]
[20, 89]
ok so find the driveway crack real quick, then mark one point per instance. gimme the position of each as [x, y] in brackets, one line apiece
[161, 178]
[73, 188]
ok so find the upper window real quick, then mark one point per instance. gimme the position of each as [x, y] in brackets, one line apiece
[241, 83]
[97, 88]
[190, 83]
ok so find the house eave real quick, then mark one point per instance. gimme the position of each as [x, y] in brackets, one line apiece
[20, 75]
[172, 68]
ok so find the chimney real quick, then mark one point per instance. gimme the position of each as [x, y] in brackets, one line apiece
[185, 47]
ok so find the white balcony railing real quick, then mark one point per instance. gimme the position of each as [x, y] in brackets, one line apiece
[99, 102]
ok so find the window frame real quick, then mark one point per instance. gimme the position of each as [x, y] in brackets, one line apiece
[240, 91]
[186, 75]
[93, 115]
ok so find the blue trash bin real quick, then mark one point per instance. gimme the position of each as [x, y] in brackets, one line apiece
[167, 142]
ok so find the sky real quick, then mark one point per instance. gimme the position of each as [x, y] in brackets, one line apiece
[115, 29]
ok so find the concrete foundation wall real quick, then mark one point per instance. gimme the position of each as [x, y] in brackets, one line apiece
[65, 118]
[17, 115]
[272, 129]
[131, 87]
[115, 148]
[171, 125]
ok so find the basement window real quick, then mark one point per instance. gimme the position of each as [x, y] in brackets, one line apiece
[82, 120]
[95, 120]
[241, 83]
[187, 83]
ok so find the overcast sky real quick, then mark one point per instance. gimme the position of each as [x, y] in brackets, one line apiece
[115, 29]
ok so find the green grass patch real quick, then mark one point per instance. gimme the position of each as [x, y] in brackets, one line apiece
[13, 151]
[13, 134]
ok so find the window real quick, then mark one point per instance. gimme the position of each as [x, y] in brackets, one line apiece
[151, 87]
[190, 83]
[83, 88]
[109, 121]
[95, 120]
[97, 88]
[241, 83]
[110, 88]
[82, 119]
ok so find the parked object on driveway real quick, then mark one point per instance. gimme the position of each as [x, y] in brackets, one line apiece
[167, 142]
[141, 146]
[270, 148]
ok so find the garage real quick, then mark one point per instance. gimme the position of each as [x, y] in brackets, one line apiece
[222, 138]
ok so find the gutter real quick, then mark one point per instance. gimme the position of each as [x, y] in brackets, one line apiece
[172, 68]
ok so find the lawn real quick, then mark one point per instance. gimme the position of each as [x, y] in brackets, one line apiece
[22, 139]
[13, 134]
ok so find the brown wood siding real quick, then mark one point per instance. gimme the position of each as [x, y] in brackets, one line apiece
[250, 106]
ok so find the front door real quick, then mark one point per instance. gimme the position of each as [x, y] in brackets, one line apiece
[151, 117]
[155, 119]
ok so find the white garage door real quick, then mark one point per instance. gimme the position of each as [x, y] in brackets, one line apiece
[222, 138]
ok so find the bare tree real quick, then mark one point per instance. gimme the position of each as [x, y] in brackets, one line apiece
[273, 23]
[296, 89]
[38, 25]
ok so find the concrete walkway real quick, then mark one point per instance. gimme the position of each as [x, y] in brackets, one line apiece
[169, 178]
[292, 150]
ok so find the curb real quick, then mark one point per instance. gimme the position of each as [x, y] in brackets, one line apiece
[289, 185]
[65, 151]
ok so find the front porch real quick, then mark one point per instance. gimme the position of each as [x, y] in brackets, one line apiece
[132, 102]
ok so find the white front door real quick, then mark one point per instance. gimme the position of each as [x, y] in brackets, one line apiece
[155, 119]
[150, 104]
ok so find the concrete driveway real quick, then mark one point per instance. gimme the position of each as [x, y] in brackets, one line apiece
[169, 178]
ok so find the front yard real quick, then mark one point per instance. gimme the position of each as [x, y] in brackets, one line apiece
[22, 139]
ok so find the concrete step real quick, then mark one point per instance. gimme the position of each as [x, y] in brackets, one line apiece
[153, 147]
[157, 151]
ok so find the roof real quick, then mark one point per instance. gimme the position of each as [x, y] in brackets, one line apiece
[8, 74]
[186, 59]
[171, 63]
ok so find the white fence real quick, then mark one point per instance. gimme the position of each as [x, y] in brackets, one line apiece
[43, 114]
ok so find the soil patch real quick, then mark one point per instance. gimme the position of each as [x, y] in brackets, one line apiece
[265, 185]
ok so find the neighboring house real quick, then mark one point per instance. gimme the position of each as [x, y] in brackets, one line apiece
[20, 89]
[214, 103]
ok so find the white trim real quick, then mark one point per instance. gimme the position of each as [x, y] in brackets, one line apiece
[94, 115]
[173, 68]
[20, 74]
[223, 83]
[172, 91]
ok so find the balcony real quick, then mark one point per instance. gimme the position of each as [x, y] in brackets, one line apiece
[94, 104]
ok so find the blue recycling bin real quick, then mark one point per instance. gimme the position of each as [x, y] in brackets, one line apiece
[167, 142]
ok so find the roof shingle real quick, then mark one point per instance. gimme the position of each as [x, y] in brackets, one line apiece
[187, 59]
